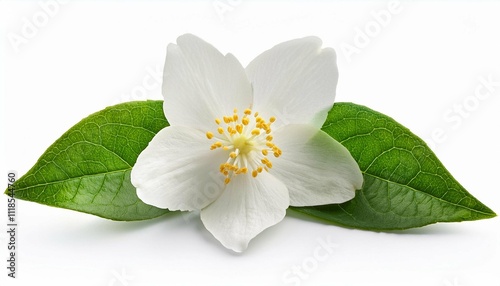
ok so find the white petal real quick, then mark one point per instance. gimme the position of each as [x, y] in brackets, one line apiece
[295, 81]
[178, 170]
[247, 206]
[200, 84]
[316, 169]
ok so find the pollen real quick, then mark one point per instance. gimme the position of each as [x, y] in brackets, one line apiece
[239, 128]
[247, 139]
[255, 132]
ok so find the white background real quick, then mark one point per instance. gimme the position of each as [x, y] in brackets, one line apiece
[420, 62]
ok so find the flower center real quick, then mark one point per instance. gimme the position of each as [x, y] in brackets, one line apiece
[248, 140]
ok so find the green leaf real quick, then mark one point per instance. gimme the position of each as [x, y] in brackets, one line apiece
[88, 168]
[405, 184]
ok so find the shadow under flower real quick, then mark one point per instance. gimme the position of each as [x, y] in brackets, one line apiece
[433, 229]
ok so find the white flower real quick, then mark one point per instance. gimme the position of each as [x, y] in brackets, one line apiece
[244, 144]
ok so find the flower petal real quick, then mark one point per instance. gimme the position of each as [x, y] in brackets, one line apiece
[200, 84]
[295, 81]
[178, 170]
[246, 207]
[316, 169]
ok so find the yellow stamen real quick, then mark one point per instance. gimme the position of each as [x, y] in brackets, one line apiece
[239, 128]
[244, 146]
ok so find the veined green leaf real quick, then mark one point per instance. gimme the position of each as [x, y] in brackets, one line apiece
[405, 184]
[88, 168]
